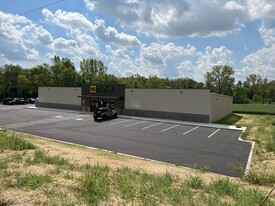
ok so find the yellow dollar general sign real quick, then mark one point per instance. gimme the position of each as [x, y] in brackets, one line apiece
[93, 89]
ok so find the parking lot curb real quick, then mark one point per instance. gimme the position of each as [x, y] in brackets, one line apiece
[220, 126]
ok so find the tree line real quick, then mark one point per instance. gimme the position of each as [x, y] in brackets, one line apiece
[18, 82]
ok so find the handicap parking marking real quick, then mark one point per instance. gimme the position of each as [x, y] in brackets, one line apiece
[170, 127]
[120, 122]
[190, 130]
[152, 125]
[213, 133]
[129, 125]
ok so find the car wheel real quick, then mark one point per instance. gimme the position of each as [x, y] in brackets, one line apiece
[115, 115]
[95, 118]
[104, 117]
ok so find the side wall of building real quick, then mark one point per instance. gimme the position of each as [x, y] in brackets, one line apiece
[180, 104]
[60, 97]
[221, 106]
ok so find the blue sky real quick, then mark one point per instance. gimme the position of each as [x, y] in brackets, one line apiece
[179, 38]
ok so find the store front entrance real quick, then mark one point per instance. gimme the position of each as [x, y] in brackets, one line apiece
[103, 95]
[100, 102]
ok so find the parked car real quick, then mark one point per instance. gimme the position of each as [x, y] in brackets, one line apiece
[31, 100]
[16, 101]
[7, 100]
[104, 113]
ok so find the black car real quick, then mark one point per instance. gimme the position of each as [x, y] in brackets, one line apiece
[7, 100]
[104, 113]
[31, 100]
[16, 101]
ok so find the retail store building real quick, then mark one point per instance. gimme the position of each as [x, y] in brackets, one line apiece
[198, 105]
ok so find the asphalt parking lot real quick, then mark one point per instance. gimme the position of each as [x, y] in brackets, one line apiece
[215, 148]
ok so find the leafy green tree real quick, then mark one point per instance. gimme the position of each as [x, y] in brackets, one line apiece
[40, 76]
[239, 94]
[1, 85]
[155, 82]
[10, 75]
[185, 83]
[63, 73]
[91, 68]
[220, 80]
[271, 91]
[135, 81]
[106, 79]
[256, 88]
[23, 84]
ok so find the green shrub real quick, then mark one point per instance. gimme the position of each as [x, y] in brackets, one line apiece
[30, 180]
[270, 145]
[194, 182]
[12, 142]
[95, 184]
[126, 182]
[40, 156]
[223, 187]
[251, 197]
[260, 178]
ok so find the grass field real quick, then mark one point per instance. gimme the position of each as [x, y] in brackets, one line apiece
[254, 108]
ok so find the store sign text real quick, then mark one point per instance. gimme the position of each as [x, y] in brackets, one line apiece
[101, 89]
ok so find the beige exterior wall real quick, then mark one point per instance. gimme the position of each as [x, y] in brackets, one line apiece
[187, 101]
[60, 95]
[221, 106]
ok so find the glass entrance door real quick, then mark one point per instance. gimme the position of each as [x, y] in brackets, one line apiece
[99, 102]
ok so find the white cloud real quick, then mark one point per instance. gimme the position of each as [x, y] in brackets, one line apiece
[122, 64]
[81, 44]
[175, 18]
[67, 46]
[264, 10]
[19, 38]
[261, 62]
[169, 60]
[268, 34]
[69, 20]
[205, 62]
[110, 34]
[157, 54]
[260, 9]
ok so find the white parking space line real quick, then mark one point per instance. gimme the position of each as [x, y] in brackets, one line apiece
[152, 125]
[190, 130]
[129, 125]
[170, 128]
[121, 121]
[213, 133]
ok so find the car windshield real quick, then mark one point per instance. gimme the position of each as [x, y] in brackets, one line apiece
[100, 109]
